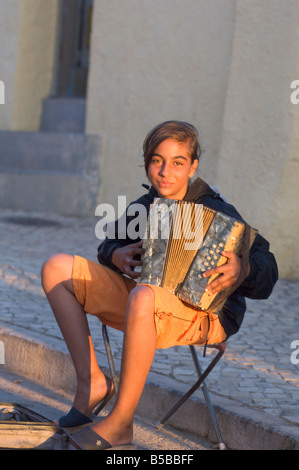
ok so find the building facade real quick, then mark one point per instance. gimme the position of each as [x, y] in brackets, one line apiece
[85, 80]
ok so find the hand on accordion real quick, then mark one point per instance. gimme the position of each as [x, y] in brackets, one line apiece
[123, 258]
[229, 274]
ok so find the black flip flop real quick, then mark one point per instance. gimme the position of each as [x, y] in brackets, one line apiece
[75, 418]
[88, 439]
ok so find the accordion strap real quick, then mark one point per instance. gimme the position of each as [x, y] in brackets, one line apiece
[246, 245]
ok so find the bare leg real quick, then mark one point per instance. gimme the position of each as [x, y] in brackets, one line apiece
[138, 353]
[92, 384]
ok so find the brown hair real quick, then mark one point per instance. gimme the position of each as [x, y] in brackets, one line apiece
[176, 130]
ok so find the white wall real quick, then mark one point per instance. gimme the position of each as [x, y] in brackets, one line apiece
[27, 54]
[152, 61]
[226, 66]
[9, 34]
[259, 158]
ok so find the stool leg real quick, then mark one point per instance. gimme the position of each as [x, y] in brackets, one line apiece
[200, 381]
[207, 395]
[110, 357]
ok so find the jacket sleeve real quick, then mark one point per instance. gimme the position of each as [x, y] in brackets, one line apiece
[121, 234]
[107, 247]
[105, 251]
[263, 271]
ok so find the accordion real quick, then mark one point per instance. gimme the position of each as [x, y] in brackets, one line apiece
[183, 240]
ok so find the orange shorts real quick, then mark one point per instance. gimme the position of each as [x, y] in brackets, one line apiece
[104, 293]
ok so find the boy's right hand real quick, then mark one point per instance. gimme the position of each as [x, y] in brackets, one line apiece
[123, 258]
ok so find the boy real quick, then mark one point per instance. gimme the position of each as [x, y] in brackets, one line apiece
[150, 316]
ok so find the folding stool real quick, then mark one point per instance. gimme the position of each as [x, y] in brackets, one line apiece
[200, 382]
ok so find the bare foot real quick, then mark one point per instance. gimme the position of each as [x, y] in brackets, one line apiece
[114, 431]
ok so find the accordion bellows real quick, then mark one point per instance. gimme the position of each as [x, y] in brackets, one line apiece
[182, 241]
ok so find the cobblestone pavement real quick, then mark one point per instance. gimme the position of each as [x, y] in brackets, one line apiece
[256, 369]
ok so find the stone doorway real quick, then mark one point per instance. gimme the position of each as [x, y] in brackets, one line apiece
[73, 48]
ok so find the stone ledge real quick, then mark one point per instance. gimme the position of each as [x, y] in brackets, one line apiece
[49, 172]
[46, 361]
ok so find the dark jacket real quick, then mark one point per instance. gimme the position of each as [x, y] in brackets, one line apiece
[263, 275]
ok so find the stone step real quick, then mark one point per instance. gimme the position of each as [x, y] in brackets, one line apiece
[49, 171]
[63, 115]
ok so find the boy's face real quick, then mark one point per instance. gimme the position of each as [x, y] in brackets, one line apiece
[170, 168]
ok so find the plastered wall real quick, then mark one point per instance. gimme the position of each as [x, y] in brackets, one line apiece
[9, 25]
[224, 65]
[153, 61]
[27, 57]
[259, 158]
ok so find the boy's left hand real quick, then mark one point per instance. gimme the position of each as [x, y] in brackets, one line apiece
[229, 274]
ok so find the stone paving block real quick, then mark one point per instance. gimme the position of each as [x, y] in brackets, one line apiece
[256, 369]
